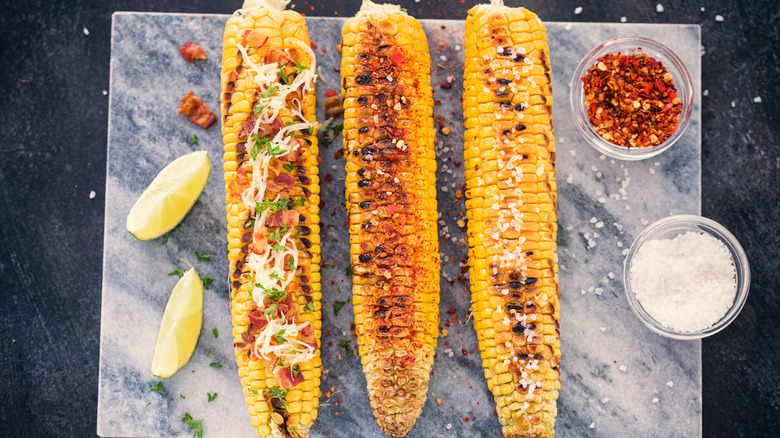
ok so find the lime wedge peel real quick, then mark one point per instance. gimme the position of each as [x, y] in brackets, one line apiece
[170, 196]
[180, 327]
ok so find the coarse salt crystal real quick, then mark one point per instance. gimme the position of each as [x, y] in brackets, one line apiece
[605, 399]
[92, 194]
[592, 425]
[719, 18]
[623, 19]
[670, 383]
[622, 368]
[705, 93]
[659, 8]
[86, 31]
[578, 10]
[655, 399]
[733, 104]
[603, 329]
[757, 99]
[686, 283]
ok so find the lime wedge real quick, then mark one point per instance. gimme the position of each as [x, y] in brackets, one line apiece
[180, 327]
[169, 197]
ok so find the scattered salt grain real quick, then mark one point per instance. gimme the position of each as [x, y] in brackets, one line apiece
[687, 283]
[105, 92]
[655, 399]
[719, 18]
[622, 368]
[592, 425]
[605, 399]
[670, 383]
[611, 275]
[623, 19]
[86, 31]
[659, 8]
[599, 225]
[568, 26]
[733, 104]
[92, 194]
[578, 10]
[603, 329]
[705, 93]
[757, 99]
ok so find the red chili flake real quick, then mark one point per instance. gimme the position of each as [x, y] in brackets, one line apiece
[465, 419]
[312, 43]
[451, 310]
[631, 100]
[330, 93]
[464, 351]
[445, 85]
[339, 153]
[328, 178]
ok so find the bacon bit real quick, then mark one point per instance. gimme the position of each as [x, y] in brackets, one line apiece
[293, 155]
[196, 111]
[307, 336]
[445, 85]
[333, 107]
[191, 51]
[289, 218]
[328, 178]
[451, 310]
[255, 38]
[339, 153]
[438, 400]
[330, 93]
[281, 185]
[277, 55]
[259, 244]
[241, 183]
[265, 129]
[287, 379]
[247, 337]
[464, 351]
[258, 319]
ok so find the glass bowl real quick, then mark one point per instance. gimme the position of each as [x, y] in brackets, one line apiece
[669, 228]
[631, 46]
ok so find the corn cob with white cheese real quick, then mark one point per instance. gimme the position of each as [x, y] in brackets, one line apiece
[270, 165]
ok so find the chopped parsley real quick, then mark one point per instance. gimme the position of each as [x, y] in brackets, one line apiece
[278, 247]
[288, 167]
[194, 139]
[203, 257]
[212, 397]
[330, 133]
[182, 396]
[165, 238]
[349, 270]
[295, 370]
[275, 151]
[300, 202]
[193, 424]
[249, 223]
[260, 206]
[271, 90]
[259, 142]
[276, 392]
[298, 67]
[206, 282]
[157, 386]
[345, 345]
[291, 264]
[215, 365]
[178, 271]
[337, 305]
[215, 330]
[258, 109]
[279, 337]
[251, 390]
[285, 79]
[275, 277]
[309, 307]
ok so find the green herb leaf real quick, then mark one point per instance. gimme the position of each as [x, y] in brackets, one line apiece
[215, 330]
[207, 282]
[194, 139]
[178, 271]
[203, 257]
[215, 365]
[288, 167]
[298, 67]
[277, 247]
[291, 264]
[212, 397]
[259, 143]
[252, 390]
[182, 396]
[249, 224]
[349, 270]
[345, 345]
[271, 90]
[277, 393]
[193, 424]
[337, 305]
[295, 370]
[275, 277]
[279, 337]
[300, 202]
[258, 109]
[165, 238]
[297, 233]
[283, 77]
[289, 123]
[274, 206]
[311, 130]
[157, 386]
[309, 307]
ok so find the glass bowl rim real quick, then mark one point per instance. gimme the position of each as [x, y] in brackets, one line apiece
[631, 44]
[684, 223]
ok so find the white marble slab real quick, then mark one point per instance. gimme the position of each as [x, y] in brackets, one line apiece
[618, 378]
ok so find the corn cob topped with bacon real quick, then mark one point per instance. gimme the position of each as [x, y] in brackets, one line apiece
[270, 164]
[391, 202]
[511, 202]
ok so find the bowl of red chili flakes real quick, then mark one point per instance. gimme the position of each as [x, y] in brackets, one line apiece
[631, 98]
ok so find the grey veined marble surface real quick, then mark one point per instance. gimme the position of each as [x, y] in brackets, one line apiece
[618, 379]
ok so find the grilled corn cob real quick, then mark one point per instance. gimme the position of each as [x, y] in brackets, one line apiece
[391, 202]
[511, 202]
[270, 165]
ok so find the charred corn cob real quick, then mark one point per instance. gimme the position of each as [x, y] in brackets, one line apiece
[272, 194]
[391, 202]
[511, 202]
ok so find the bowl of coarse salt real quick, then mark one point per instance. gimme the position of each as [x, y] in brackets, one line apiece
[686, 277]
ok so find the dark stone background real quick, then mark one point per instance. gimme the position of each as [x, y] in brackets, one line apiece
[53, 128]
